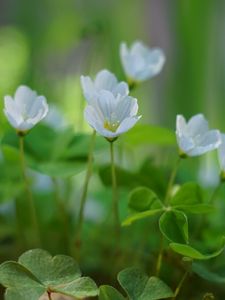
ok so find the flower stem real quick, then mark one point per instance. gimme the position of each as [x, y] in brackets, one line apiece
[84, 192]
[30, 199]
[160, 256]
[180, 284]
[171, 181]
[62, 213]
[114, 192]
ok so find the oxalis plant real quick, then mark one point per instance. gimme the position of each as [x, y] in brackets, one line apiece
[148, 245]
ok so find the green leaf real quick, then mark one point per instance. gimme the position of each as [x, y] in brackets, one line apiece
[107, 292]
[189, 194]
[174, 226]
[139, 286]
[24, 293]
[142, 199]
[206, 274]
[58, 168]
[57, 156]
[139, 216]
[38, 271]
[143, 134]
[191, 252]
[50, 270]
[196, 208]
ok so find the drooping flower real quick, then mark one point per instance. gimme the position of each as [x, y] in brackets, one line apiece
[140, 62]
[112, 115]
[221, 155]
[104, 80]
[194, 137]
[26, 109]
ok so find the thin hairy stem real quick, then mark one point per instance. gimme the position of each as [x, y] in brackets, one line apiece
[160, 256]
[114, 192]
[171, 181]
[30, 199]
[180, 284]
[84, 192]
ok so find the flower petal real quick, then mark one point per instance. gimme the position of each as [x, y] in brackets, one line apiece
[127, 124]
[88, 88]
[105, 80]
[221, 152]
[197, 125]
[24, 98]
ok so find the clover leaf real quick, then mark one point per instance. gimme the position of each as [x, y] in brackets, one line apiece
[37, 272]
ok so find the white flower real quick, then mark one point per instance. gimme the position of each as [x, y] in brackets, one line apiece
[194, 137]
[221, 153]
[104, 80]
[111, 116]
[140, 62]
[26, 109]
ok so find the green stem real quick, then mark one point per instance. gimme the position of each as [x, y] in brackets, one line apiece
[84, 192]
[171, 181]
[28, 191]
[160, 256]
[180, 284]
[62, 213]
[114, 192]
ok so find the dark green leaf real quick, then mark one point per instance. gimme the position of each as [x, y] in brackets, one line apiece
[142, 199]
[206, 274]
[140, 287]
[174, 226]
[107, 292]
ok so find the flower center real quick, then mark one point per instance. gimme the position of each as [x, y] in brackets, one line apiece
[111, 126]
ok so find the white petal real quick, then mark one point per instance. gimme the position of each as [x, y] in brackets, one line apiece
[197, 125]
[127, 124]
[88, 88]
[221, 152]
[210, 141]
[180, 125]
[24, 98]
[121, 89]
[106, 104]
[185, 144]
[126, 107]
[105, 80]
[92, 116]
[12, 110]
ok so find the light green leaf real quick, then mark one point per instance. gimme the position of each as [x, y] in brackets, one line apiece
[39, 272]
[174, 226]
[196, 208]
[109, 293]
[142, 199]
[189, 194]
[191, 252]
[139, 216]
[149, 134]
[140, 287]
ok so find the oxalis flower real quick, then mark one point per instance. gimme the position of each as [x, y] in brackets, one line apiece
[104, 80]
[194, 137]
[26, 109]
[140, 62]
[221, 155]
[112, 115]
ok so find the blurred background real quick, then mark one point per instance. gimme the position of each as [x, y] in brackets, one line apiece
[49, 44]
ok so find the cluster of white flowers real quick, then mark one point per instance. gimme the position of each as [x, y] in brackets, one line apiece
[194, 138]
[111, 111]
